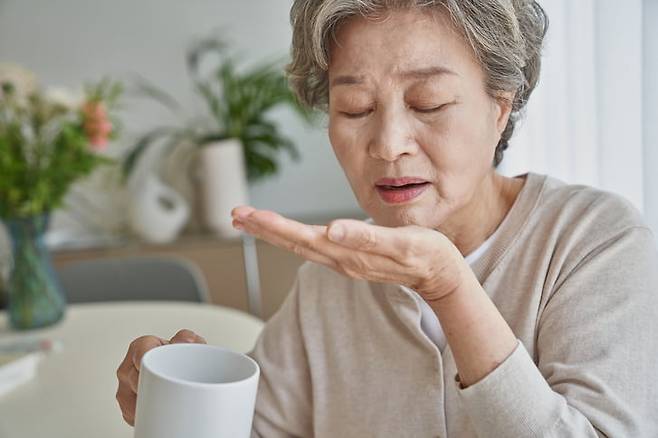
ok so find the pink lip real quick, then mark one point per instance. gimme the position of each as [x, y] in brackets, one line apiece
[389, 194]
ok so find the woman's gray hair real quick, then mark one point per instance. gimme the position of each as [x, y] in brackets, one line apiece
[506, 37]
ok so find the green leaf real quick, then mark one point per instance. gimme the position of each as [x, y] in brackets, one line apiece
[142, 144]
[144, 87]
[202, 49]
[238, 102]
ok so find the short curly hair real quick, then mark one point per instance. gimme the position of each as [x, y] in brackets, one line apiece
[506, 37]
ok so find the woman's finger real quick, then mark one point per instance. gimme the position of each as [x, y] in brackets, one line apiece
[132, 379]
[140, 346]
[399, 243]
[396, 243]
[302, 239]
[127, 401]
[187, 336]
[311, 242]
[365, 251]
[242, 211]
[286, 233]
[300, 246]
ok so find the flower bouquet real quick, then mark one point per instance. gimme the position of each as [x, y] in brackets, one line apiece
[48, 140]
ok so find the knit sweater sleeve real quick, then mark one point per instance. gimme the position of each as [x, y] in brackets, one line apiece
[595, 368]
[283, 402]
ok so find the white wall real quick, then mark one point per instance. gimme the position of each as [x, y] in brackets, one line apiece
[620, 97]
[650, 84]
[68, 41]
[584, 122]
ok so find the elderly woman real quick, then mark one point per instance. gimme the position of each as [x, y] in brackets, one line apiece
[472, 304]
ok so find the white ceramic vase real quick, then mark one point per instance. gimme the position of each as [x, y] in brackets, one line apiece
[157, 212]
[223, 184]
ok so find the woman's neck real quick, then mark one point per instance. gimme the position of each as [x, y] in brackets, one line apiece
[479, 219]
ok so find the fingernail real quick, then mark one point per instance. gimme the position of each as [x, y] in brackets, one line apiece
[336, 233]
[242, 213]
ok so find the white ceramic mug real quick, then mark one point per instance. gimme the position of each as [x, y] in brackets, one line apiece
[195, 390]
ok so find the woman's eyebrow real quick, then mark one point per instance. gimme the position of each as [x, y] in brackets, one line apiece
[346, 80]
[421, 73]
[427, 72]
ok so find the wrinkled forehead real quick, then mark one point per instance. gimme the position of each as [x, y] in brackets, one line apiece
[398, 41]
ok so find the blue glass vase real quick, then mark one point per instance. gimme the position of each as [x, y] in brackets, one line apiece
[35, 297]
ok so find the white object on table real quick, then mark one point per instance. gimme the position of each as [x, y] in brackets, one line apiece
[223, 177]
[196, 390]
[16, 369]
[73, 393]
[157, 212]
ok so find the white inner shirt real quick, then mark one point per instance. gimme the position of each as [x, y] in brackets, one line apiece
[429, 322]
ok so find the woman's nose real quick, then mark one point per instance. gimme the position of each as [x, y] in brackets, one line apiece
[392, 138]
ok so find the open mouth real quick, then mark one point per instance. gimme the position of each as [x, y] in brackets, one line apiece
[397, 192]
[404, 186]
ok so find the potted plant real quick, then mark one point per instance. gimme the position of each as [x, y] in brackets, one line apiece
[236, 142]
[48, 140]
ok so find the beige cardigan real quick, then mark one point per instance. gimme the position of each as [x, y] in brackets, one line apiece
[574, 272]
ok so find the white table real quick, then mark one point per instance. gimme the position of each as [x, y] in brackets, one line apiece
[73, 395]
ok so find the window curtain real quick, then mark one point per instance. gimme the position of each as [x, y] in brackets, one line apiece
[584, 122]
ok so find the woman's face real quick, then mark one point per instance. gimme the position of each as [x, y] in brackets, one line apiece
[410, 120]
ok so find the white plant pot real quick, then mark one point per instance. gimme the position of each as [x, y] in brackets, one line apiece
[223, 180]
[157, 212]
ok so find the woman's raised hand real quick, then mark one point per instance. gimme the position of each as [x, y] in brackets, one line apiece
[420, 258]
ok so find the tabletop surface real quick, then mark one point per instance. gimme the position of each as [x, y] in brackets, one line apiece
[73, 394]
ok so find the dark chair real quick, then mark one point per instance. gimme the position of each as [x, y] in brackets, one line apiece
[133, 279]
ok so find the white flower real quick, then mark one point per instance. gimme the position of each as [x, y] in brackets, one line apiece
[22, 80]
[61, 96]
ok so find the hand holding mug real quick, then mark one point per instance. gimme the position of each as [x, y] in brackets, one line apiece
[128, 371]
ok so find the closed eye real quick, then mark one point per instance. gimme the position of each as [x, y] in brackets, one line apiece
[431, 110]
[356, 115]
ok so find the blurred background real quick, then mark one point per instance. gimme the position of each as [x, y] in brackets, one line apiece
[130, 128]
[592, 120]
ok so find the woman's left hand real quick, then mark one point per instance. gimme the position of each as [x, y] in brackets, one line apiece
[420, 258]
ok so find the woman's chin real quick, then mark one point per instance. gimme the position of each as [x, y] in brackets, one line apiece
[400, 216]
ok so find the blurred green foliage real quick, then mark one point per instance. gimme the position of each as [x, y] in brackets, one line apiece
[237, 102]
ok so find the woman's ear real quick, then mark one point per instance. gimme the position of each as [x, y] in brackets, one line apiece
[503, 103]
